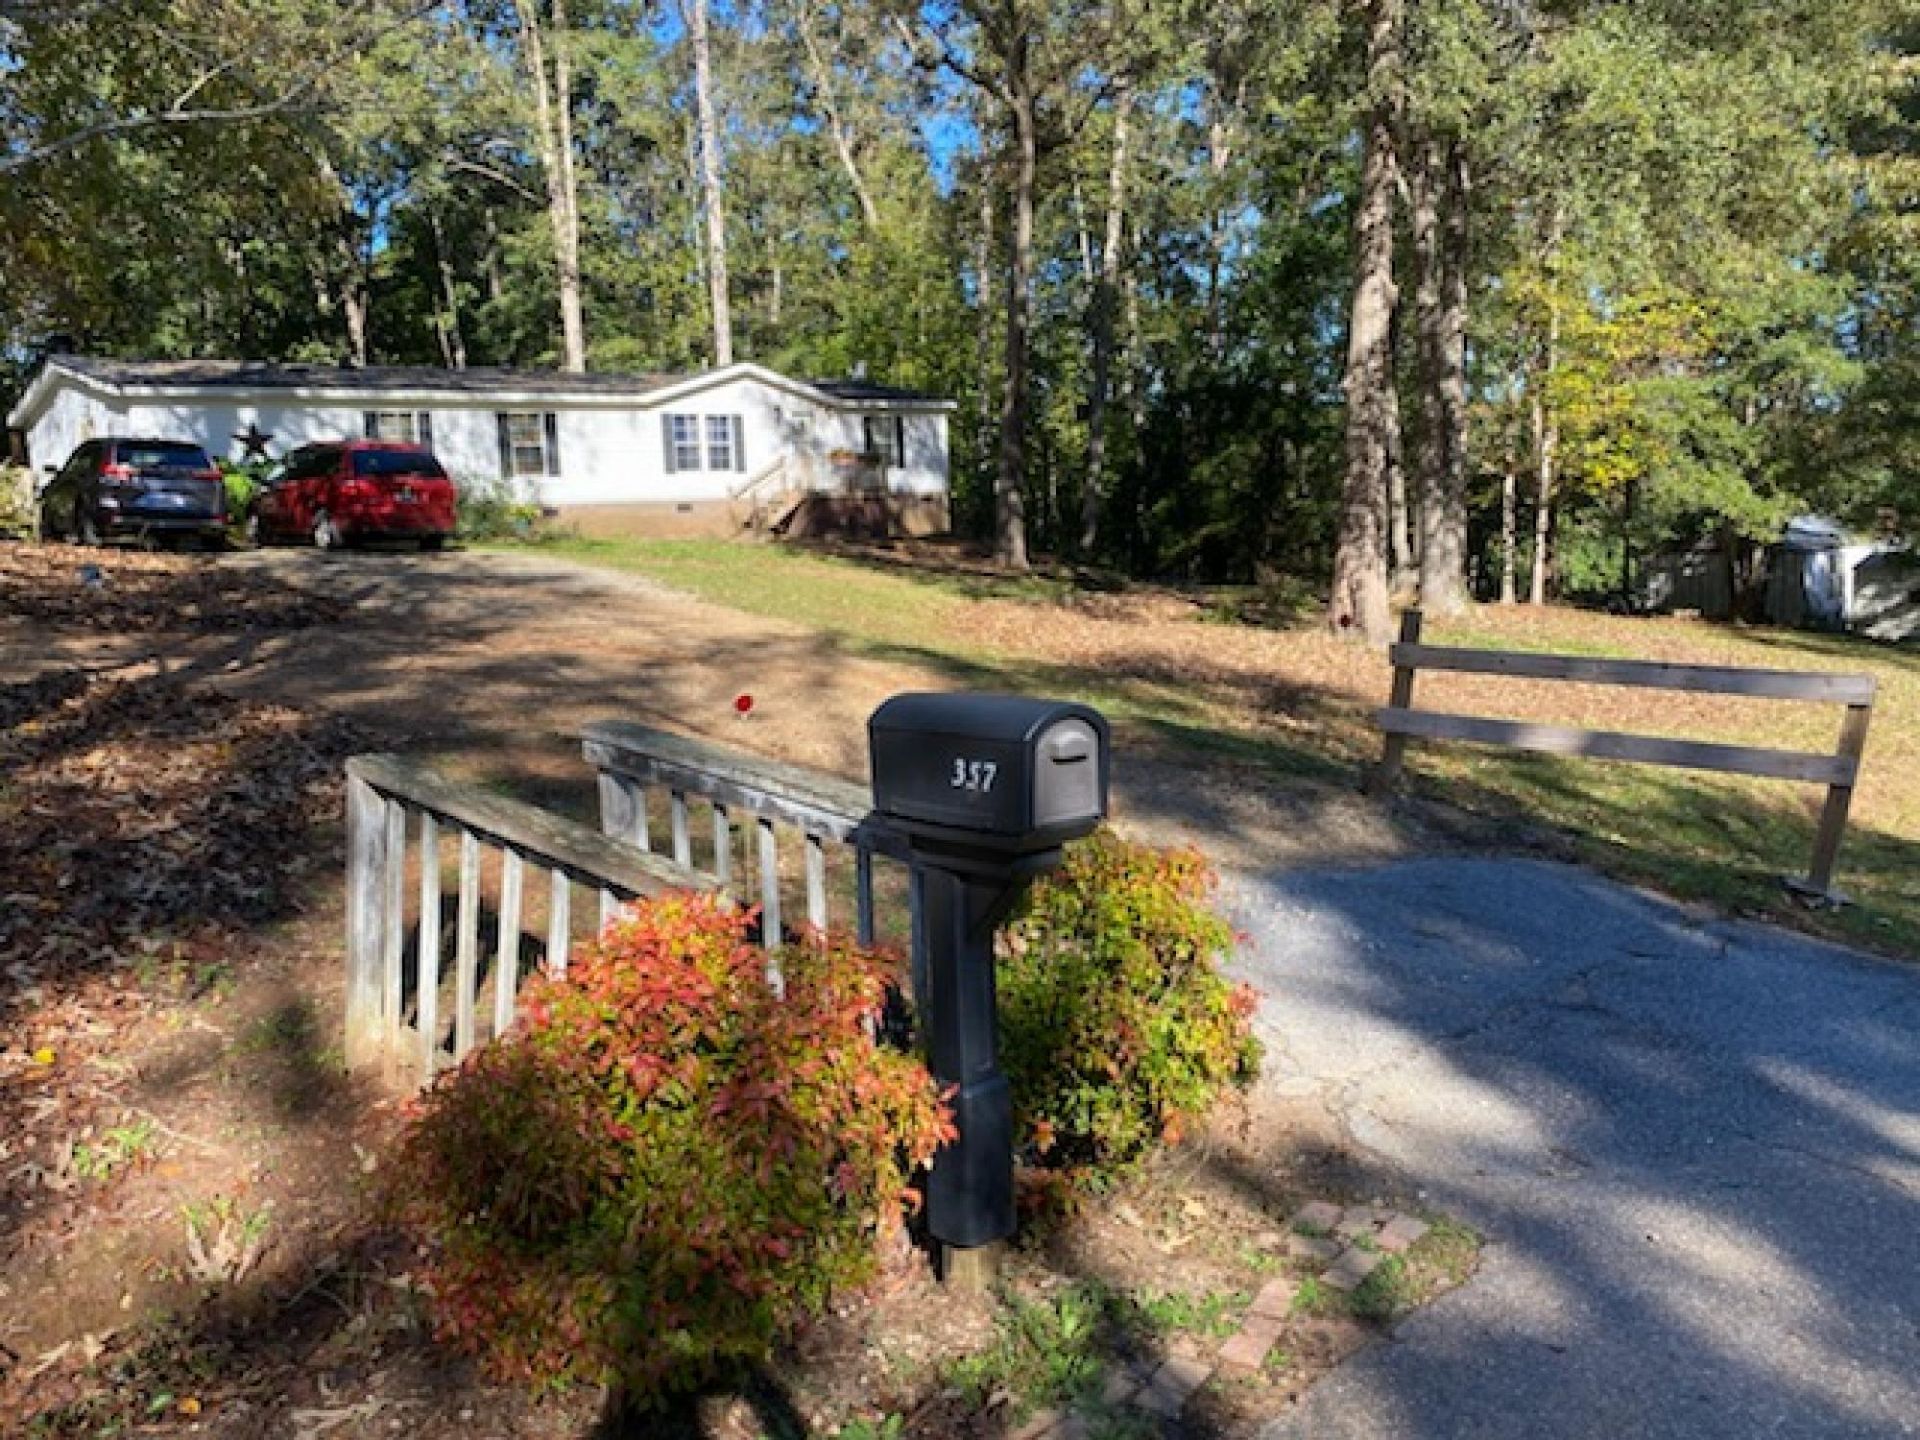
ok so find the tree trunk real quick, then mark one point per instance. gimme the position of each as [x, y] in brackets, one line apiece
[713, 204]
[453, 341]
[1546, 445]
[1359, 600]
[984, 464]
[1106, 294]
[1509, 527]
[836, 127]
[1401, 572]
[1443, 550]
[1439, 225]
[1009, 511]
[553, 122]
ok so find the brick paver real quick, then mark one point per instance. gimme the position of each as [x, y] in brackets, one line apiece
[1275, 1299]
[1400, 1232]
[1351, 1268]
[1249, 1349]
[1318, 1215]
[1167, 1393]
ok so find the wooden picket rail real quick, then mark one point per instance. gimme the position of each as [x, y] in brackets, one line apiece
[386, 798]
[1839, 771]
[636, 761]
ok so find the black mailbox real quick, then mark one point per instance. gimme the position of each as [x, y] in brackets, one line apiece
[986, 789]
[995, 772]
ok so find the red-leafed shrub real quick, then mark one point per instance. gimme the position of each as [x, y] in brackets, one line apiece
[665, 1165]
[1118, 1026]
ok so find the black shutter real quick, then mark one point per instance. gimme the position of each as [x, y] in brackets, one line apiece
[506, 447]
[866, 435]
[666, 439]
[423, 428]
[552, 423]
[900, 441]
[739, 445]
[370, 424]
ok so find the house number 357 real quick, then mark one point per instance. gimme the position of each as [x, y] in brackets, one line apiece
[974, 775]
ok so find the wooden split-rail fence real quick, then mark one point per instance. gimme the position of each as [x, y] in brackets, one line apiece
[1838, 771]
[423, 987]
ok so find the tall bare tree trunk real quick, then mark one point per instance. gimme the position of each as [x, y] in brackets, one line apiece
[1401, 572]
[453, 341]
[1546, 446]
[713, 202]
[1106, 299]
[553, 120]
[1509, 526]
[836, 126]
[983, 285]
[1009, 511]
[1436, 174]
[1359, 600]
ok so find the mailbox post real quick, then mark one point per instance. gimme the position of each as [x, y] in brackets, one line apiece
[986, 788]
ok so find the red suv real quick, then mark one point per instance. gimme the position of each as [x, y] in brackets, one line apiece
[353, 490]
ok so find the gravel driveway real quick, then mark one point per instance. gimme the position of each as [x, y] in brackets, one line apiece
[1693, 1146]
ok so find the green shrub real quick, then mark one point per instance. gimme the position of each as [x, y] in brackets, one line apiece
[242, 480]
[17, 517]
[664, 1166]
[489, 511]
[1118, 1027]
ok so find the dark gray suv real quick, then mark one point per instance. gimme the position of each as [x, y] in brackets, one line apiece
[118, 487]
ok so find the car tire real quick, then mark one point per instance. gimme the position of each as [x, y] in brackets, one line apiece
[326, 536]
[86, 530]
[433, 542]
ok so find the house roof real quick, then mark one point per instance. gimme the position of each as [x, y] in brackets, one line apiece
[373, 379]
[203, 377]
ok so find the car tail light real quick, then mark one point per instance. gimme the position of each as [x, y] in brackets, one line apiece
[213, 475]
[116, 472]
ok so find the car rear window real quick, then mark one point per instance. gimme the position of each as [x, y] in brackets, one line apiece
[163, 455]
[396, 462]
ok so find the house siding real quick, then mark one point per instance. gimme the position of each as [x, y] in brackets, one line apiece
[611, 451]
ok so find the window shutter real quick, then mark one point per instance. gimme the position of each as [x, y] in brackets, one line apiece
[866, 434]
[370, 424]
[423, 428]
[552, 423]
[900, 441]
[739, 445]
[666, 439]
[506, 447]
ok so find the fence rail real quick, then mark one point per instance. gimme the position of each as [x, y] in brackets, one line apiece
[389, 799]
[644, 771]
[1838, 771]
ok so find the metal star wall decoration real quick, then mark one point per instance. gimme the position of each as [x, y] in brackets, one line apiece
[255, 440]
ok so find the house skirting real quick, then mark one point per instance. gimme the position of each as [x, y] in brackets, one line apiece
[859, 516]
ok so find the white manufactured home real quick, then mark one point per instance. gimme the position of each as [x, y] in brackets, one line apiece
[614, 453]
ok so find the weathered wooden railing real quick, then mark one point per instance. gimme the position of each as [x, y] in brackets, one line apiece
[760, 796]
[1400, 722]
[387, 799]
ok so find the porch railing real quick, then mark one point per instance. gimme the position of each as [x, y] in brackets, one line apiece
[389, 801]
[649, 780]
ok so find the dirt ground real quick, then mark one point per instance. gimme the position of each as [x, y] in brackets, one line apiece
[187, 1168]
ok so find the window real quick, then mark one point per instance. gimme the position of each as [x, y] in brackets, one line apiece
[529, 445]
[683, 442]
[719, 442]
[887, 439]
[704, 442]
[402, 425]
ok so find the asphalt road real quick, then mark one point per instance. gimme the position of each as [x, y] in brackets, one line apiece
[1693, 1146]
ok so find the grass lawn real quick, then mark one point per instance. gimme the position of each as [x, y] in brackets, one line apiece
[1291, 700]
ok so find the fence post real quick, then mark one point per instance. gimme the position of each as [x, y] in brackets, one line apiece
[1387, 773]
[1833, 816]
[366, 873]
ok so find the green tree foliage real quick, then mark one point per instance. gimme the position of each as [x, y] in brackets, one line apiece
[1689, 274]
